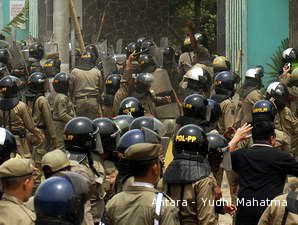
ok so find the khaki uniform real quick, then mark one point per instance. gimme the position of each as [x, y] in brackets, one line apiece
[227, 118]
[13, 211]
[43, 119]
[86, 87]
[21, 121]
[247, 104]
[287, 122]
[96, 187]
[274, 214]
[200, 197]
[136, 206]
[110, 169]
[63, 111]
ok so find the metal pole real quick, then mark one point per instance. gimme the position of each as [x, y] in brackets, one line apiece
[61, 31]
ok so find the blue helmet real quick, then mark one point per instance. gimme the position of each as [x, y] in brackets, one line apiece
[61, 198]
[263, 110]
[215, 110]
[137, 136]
[224, 82]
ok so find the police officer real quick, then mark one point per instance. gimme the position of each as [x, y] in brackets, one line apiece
[189, 179]
[221, 63]
[285, 211]
[63, 109]
[109, 135]
[41, 112]
[196, 80]
[17, 181]
[112, 84]
[124, 208]
[16, 116]
[131, 106]
[86, 87]
[285, 119]
[224, 87]
[150, 123]
[170, 65]
[36, 53]
[265, 110]
[81, 139]
[8, 145]
[130, 138]
[68, 194]
[196, 111]
[251, 93]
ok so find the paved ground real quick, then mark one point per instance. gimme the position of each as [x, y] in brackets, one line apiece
[225, 219]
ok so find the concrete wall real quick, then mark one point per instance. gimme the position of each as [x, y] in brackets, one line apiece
[267, 26]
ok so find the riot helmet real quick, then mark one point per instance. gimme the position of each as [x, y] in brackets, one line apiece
[131, 48]
[143, 82]
[131, 106]
[221, 63]
[199, 37]
[35, 67]
[215, 110]
[61, 199]
[254, 73]
[147, 63]
[36, 82]
[9, 91]
[217, 146]
[4, 56]
[51, 67]
[61, 83]
[81, 137]
[140, 41]
[8, 145]
[289, 55]
[112, 84]
[146, 45]
[195, 106]
[263, 110]
[92, 49]
[191, 139]
[87, 60]
[279, 92]
[151, 123]
[109, 133]
[123, 122]
[36, 51]
[224, 83]
[137, 136]
[198, 78]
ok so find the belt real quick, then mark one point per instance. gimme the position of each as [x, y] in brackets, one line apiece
[86, 97]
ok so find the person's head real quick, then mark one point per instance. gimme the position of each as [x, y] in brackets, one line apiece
[54, 162]
[61, 83]
[131, 106]
[198, 79]
[37, 83]
[217, 145]
[9, 92]
[61, 199]
[253, 77]
[8, 145]
[16, 177]
[195, 106]
[280, 93]
[263, 110]
[36, 51]
[263, 133]
[144, 162]
[143, 82]
[224, 83]
[51, 67]
[221, 63]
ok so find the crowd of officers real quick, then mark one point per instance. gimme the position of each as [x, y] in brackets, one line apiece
[94, 148]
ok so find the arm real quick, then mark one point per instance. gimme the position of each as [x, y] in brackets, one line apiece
[204, 189]
[62, 110]
[44, 107]
[287, 163]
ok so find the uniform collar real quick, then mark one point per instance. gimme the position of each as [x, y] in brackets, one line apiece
[262, 145]
[142, 184]
[11, 198]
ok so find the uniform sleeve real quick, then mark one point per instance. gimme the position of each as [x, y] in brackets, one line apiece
[228, 111]
[27, 118]
[71, 84]
[121, 94]
[292, 121]
[47, 117]
[170, 216]
[62, 110]
[205, 197]
[266, 217]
